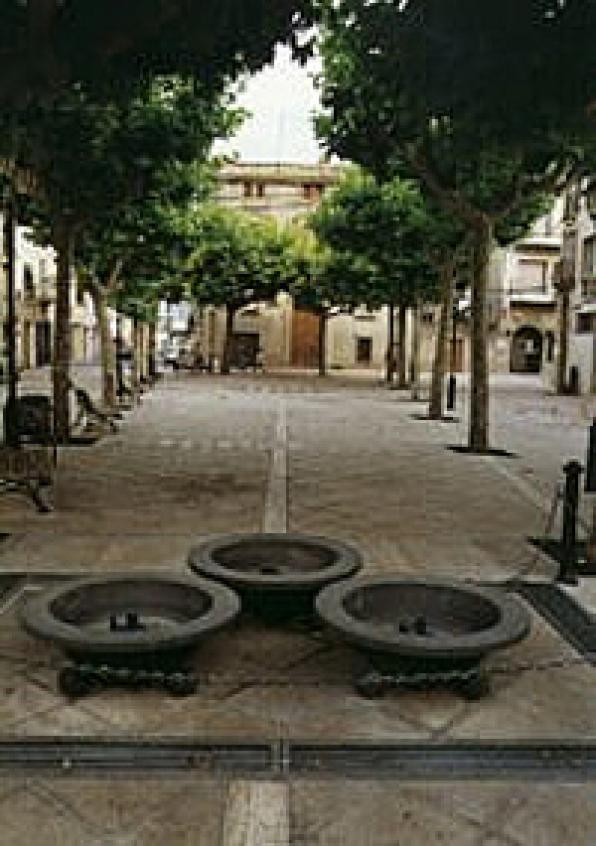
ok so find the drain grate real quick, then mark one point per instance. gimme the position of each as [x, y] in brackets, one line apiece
[572, 621]
[500, 761]
[285, 759]
[70, 755]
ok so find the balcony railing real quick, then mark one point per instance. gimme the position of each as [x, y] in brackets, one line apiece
[539, 292]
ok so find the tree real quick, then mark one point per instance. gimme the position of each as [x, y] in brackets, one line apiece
[384, 115]
[99, 169]
[382, 228]
[47, 45]
[238, 260]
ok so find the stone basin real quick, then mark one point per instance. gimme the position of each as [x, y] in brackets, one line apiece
[408, 627]
[131, 620]
[277, 575]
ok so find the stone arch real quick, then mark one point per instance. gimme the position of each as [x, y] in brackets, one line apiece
[526, 350]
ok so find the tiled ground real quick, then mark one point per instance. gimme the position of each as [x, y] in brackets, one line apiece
[195, 460]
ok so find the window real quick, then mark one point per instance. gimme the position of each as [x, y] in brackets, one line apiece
[589, 256]
[28, 284]
[247, 188]
[531, 276]
[80, 294]
[307, 191]
[584, 324]
[363, 350]
[260, 189]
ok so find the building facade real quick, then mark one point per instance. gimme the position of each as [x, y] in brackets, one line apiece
[35, 299]
[285, 335]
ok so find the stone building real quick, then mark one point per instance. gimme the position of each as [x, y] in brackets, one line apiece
[35, 297]
[525, 311]
[582, 317]
[287, 336]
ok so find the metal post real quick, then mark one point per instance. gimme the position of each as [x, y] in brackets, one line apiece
[452, 384]
[567, 572]
[590, 483]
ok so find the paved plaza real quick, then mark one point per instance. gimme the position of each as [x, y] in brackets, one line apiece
[343, 457]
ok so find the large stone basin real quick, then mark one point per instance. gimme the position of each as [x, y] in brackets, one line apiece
[277, 575]
[409, 628]
[145, 619]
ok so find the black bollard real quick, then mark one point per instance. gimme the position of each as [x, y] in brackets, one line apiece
[590, 485]
[451, 387]
[567, 572]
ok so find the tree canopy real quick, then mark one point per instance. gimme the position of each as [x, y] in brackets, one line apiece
[377, 235]
[47, 44]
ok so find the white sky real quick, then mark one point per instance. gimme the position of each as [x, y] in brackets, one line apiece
[281, 99]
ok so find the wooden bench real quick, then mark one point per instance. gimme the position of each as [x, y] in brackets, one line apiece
[88, 412]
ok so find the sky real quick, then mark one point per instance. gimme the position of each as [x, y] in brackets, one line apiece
[281, 99]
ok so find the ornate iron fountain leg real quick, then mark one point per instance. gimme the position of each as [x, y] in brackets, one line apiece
[371, 685]
[76, 680]
[475, 687]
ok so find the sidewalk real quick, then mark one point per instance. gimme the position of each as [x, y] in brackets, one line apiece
[199, 457]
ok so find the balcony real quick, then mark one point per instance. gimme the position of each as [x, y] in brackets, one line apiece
[525, 294]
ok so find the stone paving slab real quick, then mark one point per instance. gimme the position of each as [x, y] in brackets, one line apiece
[345, 813]
[111, 811]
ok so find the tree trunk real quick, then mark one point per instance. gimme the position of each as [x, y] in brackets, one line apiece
[228, 341]
[562, 357]
[64, 243]
[415, 362]
[142, 352]
[11, 435]
[323, 316]
[479, 409]
[402, 379]
[152, 353]
[106, 346]
[136, 354]
[435, 409]
[390, 369]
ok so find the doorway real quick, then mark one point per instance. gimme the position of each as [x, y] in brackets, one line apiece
[526, 350]
[363, 351]
[43, 343]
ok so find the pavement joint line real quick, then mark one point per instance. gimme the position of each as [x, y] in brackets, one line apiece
[275, 517]
[529, 491]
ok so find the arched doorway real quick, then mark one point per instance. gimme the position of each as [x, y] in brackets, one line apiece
[526, 350]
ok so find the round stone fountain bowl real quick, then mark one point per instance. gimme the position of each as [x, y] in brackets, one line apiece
[131, 620]
[276, 575]
[414, 625]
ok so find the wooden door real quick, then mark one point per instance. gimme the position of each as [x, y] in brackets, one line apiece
[305, 339]
[457, 354]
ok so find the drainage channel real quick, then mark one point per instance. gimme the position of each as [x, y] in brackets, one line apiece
[499, 761]
[69, 755]
[540, 761]
[572, 621]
